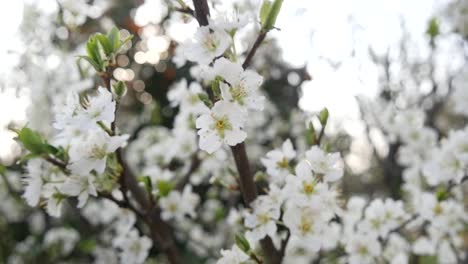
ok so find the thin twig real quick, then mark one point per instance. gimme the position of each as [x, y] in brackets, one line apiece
[161, 231]
[254, 48]
[186, 10]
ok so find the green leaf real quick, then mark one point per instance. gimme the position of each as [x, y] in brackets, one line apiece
[242, 243]
[427, 260]
[311, 136]
[114, 39]
[146, 180]
[96, 66]
[442, 194]
[119, 89]
[87, 246]
[164, 187]
[264, 11]
[105, 44]
[433, 28]
[28, 157]
[215, 86]
[204, 98]
[32, 141]
[260, 176]
[92, 49]
[323, 116]
[123, 42]
[62, 154]
[273, 12]
[2, 169]
[50, 149]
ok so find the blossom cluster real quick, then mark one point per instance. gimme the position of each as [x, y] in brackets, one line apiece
[235, 90]
[188, 177]
[88, 144]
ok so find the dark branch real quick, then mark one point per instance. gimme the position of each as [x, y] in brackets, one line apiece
[202, 12]
[186, 10]
[254, 48]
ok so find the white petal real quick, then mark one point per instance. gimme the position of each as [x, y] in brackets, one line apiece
[234, 137]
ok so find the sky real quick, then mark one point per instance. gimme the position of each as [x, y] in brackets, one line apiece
[319, 34]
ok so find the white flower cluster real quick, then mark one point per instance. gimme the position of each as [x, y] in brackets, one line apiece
[88, 144]
[433, 170]
[236, 89]
[304, 202]
[120, 237]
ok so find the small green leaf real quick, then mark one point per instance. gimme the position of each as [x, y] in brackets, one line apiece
[27, 157]
[96, 66]
[92, 49]
[273, 12]
[114, 39]
[204, 98]
[220, 214]
[311, 136]
[2, 169]
[264, 11]
[442, 194]
[215, 86]
[146, 180]
[433, 28]
[119, 89]
[62, 154]
[87, 246]
[164, 187]
[32, 141]
[427, 260]
[105, 44]
[50, 149]
[123, 42]
[242, 243]
[323, 116]
[259, 176]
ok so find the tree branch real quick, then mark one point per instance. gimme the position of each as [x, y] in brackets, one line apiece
[202, 12]
[247, 185]
[254, 48]
[161, 232]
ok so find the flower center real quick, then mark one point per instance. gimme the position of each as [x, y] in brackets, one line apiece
[221, 125]
[375, 223]
[263, 218]
[172, 207]
[98, 152]
[308, 187]
[305, 226]
[135, 247]
[211, 43]
[193, 99]
[283, 164]
[362, 250]
[238, 93]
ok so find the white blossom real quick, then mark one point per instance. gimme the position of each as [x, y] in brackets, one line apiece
[240, 86]
[209, 42]
[277, 161]
[177, 205]
[232, 256]
[223, 124]
[262, 220]
[325, 165]
[134, 248]
[90, 153]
